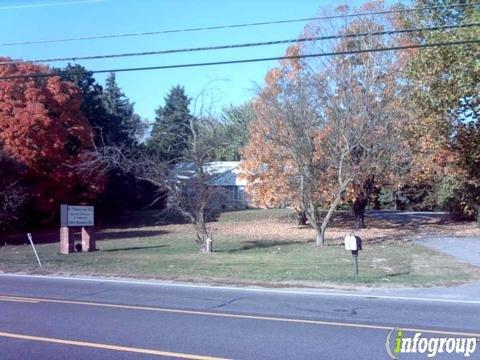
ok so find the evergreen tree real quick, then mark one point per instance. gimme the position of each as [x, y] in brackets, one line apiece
[128, 125]
[170, 133]
[112, 117]
[92, 102]
[109, 111]
[233, 132]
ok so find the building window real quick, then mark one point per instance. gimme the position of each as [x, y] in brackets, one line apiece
[240, 193]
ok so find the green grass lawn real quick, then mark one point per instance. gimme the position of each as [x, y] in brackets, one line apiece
[166, 252]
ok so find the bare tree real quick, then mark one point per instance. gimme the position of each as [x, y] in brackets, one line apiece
[184, 181]
[188, 183]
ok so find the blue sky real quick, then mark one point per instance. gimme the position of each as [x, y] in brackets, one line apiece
[23, 20]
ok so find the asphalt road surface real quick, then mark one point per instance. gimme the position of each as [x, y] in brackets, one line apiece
[466, 249]
[46, 318]
[407, 217]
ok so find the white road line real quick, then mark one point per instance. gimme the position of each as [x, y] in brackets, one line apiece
[108, 346]
[247, 289]
[15, 299]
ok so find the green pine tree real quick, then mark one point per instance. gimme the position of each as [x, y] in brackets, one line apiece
[170, 133]
[128, 125]
[92, 103]
[233, 132]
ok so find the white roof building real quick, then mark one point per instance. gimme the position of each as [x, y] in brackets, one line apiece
[222, 174]
[225, 173]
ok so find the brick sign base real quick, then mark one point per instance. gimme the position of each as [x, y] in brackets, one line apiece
[67, 245]
[76, 216]
[67, 242]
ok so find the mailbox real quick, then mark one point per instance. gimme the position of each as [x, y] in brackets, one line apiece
[353, 243]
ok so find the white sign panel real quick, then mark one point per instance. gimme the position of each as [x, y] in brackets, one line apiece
[80, 215]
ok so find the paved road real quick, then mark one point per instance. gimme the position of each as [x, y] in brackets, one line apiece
[407, 217]
[42, 318]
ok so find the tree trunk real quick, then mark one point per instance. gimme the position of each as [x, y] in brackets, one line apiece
[359, 206]
[331, 210]
[203, 237]
[312, 219]
[301, 218]
[362, 195]
[319, 237]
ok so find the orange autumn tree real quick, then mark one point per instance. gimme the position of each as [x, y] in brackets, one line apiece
[368, 107]
[269, 168]
[43, 129]
[285, 159]
[329, 124]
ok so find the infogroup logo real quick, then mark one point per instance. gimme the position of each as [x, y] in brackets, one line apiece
[431, 346]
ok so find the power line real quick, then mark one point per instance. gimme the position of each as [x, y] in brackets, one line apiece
[241, 61]
[109, 36]
[244, 45]
[50, 4]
